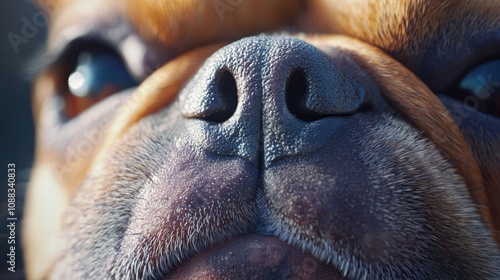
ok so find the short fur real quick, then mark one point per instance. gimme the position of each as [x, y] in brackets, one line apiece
[133, 188]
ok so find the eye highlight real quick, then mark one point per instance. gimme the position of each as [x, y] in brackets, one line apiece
[97, 72]
[480, 88]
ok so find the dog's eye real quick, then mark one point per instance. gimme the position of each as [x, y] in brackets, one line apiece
[95, 74]
[480, 88]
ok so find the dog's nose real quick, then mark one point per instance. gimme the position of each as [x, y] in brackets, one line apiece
[279, 90]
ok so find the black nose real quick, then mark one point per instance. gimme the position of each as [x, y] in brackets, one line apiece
[279, 90]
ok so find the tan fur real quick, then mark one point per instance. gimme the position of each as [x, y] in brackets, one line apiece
[393, 25]
[180, 25]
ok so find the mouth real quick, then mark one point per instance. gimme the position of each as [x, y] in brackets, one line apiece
[219, 227]
[206, 216]
[253, 256]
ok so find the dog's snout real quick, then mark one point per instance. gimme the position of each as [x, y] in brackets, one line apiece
[277, 90]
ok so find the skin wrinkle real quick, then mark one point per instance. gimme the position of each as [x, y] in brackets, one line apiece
[153, 94]
[416, 102]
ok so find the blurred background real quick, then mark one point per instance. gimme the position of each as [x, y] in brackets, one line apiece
[22, 35]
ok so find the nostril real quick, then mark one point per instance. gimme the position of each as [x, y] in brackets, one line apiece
[296, 93]
[211, 96]
[227, 86]
[228, 93]
[312, 93]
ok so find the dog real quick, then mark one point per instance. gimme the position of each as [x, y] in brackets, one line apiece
[267, 139]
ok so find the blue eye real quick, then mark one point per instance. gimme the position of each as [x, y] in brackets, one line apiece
[480, 88]
[95, 71]
[98, 73]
